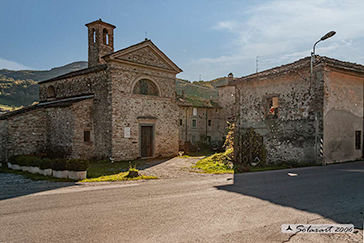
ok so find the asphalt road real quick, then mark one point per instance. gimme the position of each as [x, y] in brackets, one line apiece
[219, 208]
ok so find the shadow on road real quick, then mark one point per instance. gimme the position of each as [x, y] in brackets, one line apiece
[13, 185]
[335, 191]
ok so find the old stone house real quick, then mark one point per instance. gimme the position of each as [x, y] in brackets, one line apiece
[122, 106]
[203, 121]
[299, 119]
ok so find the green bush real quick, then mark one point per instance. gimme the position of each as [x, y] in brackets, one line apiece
[21, 160]
[77, 165]
[31, 161]
[12, 159]
[59, 164]
[45, 164]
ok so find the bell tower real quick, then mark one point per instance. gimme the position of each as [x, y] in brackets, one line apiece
[100, 41]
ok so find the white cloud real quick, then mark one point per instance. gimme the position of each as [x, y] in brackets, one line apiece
[283, 31]
[11, 65]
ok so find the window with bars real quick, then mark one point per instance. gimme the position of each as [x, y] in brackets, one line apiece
[194, 123]
[357, 139]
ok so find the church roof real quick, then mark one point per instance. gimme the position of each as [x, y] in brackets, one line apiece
[122, 56]
[99, 21]
[76, 73]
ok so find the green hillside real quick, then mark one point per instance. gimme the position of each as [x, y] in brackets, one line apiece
[20, 88]
[43, 75]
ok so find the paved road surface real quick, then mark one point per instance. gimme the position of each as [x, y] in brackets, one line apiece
[220, 208]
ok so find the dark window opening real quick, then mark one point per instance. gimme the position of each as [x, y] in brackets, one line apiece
[87, 136]
[51, 92]
[357, 139]
[208, 139]
[209, 123]
[180, 122]
[145, 87]
[105, 37]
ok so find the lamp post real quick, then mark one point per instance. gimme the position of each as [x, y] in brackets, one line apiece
[328, 35]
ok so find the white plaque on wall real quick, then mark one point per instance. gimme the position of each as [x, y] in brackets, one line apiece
[127, 132]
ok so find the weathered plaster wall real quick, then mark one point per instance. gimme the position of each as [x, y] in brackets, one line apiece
[128, 107]
[289, 137]
[343, 115]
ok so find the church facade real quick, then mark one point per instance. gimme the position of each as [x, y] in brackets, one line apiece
[122, 106]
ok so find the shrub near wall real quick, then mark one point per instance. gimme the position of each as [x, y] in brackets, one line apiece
[59, 168]
[75, 169]
[46, 167]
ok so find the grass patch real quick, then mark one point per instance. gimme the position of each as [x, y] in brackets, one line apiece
[104, 170]
[98, 171]
[122, 176]
[218, 163]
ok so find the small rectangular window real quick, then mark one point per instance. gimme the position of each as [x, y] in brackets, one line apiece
[208, 139]
[194, 123]
[209, 123]
[86, 136]
[180, 122]
[357, 139]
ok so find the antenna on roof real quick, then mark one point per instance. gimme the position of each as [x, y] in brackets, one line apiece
[256, 64]
[146, 35]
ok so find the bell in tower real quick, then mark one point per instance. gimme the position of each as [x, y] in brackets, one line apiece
[100, 41]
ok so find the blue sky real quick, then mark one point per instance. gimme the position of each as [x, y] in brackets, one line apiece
[207, 38]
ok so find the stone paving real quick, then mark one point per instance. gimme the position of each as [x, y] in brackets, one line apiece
[174, 168]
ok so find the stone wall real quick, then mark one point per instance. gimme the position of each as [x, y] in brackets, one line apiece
[59, 131]
[3, 140]
[289, 135]
[343, 115]
[213, 129]
[26, 132]
[93, 81]
[131, 110]
[83, 120]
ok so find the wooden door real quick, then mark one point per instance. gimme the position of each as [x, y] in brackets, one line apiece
[146, 141]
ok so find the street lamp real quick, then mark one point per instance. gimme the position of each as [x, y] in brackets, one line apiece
[328, 35]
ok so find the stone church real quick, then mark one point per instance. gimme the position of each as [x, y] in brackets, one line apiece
[122, 106]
